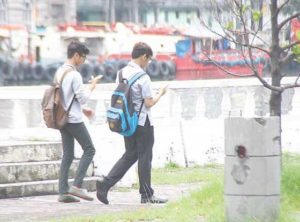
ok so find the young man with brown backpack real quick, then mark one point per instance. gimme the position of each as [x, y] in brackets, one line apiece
[73, 96]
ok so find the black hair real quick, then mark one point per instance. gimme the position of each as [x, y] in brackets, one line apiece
[140, 49]
[78, 47]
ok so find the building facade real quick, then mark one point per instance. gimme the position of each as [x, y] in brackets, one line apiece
[37, 12]
[52, 12]
[147, 12]
[15, 12]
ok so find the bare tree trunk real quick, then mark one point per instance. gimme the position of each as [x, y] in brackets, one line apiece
[275, 100]
[260, 24]
[275, 104]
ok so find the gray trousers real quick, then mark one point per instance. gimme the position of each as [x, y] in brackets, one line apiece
[138, 148]
[70, 132]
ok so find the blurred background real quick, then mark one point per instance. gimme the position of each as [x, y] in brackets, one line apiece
[34, 35]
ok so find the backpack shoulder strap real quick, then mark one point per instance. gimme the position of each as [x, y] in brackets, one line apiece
[62, 77]
[136, 77]
[59, 83]
[132, 80]
[120, 75]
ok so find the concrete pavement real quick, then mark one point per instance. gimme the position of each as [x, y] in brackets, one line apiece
[46, 208]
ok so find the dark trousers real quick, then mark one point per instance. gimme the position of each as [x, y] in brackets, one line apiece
[70, 132]
[138, 148]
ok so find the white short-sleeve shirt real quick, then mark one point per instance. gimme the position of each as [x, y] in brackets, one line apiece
[141, 89]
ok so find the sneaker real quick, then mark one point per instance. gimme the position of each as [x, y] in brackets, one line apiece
[153, 200]
[66, 198]
[102, 192]
[81, 193]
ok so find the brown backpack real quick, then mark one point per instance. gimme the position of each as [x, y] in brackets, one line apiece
[54, 114]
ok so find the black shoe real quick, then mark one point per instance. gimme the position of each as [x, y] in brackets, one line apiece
[153, 200]
[102, 192]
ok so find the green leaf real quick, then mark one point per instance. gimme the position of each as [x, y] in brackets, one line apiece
[229, 26]
[244, 8]
[298, 34]
[296, 49]
[296, 52]
[256, 15]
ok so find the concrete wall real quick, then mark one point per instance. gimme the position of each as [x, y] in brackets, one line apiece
[189, 120]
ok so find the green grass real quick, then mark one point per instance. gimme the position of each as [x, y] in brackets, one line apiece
[290, 186]
[291, 181]
[177, 175]
[208, 202]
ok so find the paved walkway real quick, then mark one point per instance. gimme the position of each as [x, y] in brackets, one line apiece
[46, 208]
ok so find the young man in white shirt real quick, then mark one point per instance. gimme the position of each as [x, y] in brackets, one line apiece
[75, 94]
[139, 145]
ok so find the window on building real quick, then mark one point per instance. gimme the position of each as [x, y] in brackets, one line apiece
[188, 17]
[3, 5]
[166, 16]
[58, 13]
[198, 13]
[210, 20]
[27, 12]
[177, 14]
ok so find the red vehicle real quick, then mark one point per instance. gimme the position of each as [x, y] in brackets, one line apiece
[192, 59]
[207, 63]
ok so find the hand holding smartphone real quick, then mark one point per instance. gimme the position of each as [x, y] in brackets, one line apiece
[95, 79]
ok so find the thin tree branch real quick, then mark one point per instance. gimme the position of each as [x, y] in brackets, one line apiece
[255, 74]
[250, 47]
[281, 7]
[225, 70]
[290, 86]
[231, 39]
[297, 79]
[257, 36]
[252, 66]
[269, 86]
[290, 45]
[289, 57]
[287, 20]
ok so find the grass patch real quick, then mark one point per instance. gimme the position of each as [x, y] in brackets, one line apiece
[172, 165]
[290, 186]
[123, 189]
[172, 176]
[290, 181]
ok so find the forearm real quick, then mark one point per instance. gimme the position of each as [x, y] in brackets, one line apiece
[92, 86]
[151, 102]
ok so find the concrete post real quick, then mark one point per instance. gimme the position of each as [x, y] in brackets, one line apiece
[112, 11]
[156, 14]
[135, 11]
[252, 169]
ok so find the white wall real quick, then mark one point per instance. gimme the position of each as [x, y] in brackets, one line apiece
[189, 120]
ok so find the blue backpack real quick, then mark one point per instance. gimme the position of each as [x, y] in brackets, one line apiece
[121, 116]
